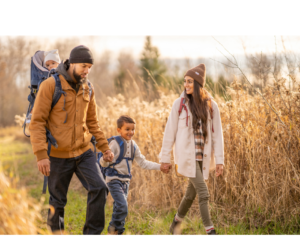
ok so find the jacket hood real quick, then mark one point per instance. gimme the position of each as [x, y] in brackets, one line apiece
[62, 70]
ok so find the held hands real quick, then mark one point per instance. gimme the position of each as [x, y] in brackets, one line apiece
[219, 170]
[44, 166]
[165, 167]
[108, 156]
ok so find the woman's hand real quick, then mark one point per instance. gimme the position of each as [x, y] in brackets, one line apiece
[219, 169]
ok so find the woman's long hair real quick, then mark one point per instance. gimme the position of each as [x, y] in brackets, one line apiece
[199, 106]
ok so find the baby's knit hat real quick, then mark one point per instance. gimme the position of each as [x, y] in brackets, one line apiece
[51, 55]
[197, 73]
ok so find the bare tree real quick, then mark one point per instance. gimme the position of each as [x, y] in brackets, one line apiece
[260, 67]
[65, 46]
[101, 77]
[126, 75]
[14, 76]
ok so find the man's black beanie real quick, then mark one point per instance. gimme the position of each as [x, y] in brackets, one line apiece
[81, 54]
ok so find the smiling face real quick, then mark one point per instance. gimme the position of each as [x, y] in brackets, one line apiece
[50, 64]
[127, 130]
[189, 85]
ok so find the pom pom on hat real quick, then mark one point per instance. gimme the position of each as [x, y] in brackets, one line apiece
[51, 55]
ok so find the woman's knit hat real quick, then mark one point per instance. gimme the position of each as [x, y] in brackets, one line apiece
[197, 73]
[51, 55]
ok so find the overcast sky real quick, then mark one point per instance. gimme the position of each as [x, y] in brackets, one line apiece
[187, 46]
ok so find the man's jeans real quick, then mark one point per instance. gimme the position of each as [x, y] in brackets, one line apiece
[89, 174]
[119, 192]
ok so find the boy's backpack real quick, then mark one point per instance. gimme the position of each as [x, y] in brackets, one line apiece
[110, 170]
[182, 105]
[38, 74]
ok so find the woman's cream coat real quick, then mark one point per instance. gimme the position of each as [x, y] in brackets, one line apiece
[177, 132]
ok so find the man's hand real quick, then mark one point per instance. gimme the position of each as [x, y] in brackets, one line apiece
[44, 166]
[108, 156]
[165, 167]
[219, 170]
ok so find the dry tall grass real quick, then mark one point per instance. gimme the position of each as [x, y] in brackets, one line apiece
[261, 184]
[262, 159]
[19, 213]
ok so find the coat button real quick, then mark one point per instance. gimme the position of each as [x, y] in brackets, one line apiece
[206, 142]
[205, 155]
[204, 168]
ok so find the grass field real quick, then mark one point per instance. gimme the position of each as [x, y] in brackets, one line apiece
[18, 160]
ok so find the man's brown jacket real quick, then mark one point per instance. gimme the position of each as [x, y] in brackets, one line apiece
[72, 121]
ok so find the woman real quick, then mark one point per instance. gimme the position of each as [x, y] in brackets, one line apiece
[194, 125]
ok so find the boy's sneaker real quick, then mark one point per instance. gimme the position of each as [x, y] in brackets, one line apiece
[111, 230]
[212, 232]
[175, 227]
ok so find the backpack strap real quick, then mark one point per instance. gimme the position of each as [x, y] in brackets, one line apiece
[58, 91]
[90, 89]
[211, 113]
[133, 149]
[121, 156]
[94, 142]
[182, 105]
[122, 150]
[31, 99]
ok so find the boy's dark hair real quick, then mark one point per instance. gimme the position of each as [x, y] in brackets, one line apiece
[124, 119]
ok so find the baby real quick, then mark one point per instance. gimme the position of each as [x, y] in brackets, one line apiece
[52, 59]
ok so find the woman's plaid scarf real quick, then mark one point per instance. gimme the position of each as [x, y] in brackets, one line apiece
[199, 142]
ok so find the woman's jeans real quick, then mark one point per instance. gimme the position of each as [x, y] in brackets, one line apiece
[89, 174]
[196, 186]
[119, 192]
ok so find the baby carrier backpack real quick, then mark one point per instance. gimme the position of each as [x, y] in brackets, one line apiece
[38, 74]
[110, 170]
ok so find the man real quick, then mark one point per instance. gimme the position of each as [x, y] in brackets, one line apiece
[70, 122]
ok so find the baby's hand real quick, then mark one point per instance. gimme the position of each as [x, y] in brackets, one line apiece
[165, 167]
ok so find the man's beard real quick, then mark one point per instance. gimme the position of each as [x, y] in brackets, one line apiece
[78, 78]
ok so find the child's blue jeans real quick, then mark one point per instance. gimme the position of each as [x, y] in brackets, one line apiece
[119, 192]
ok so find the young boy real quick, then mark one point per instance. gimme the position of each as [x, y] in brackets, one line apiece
[118, 180]
[52, 59]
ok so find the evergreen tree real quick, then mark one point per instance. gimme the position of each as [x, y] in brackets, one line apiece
[151, 66]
